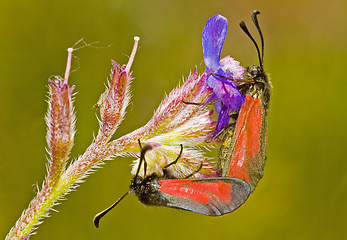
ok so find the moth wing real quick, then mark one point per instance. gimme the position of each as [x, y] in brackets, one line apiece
[209, 196]
[247, 158]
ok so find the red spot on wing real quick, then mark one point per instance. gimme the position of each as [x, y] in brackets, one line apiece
[247, 138]
[196, 190]
[253, 128]
[242, 115]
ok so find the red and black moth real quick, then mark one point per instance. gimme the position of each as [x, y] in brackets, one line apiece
[241, 158]
[243, 151]
[208, 196]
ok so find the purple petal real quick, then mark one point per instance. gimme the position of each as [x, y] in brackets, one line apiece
[218, 107]
[229, 95]
[213, 37]
[223, 120]
[212, 81]
[234, 100]
[223, 79]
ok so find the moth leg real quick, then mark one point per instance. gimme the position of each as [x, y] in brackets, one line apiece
[234, 80]
[174, 162]
[144, 149]
[201, 104]
[196, 171]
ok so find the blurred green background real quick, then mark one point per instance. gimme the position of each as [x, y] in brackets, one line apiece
[304, 189]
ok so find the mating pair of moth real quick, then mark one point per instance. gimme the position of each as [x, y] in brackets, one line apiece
[241, 157]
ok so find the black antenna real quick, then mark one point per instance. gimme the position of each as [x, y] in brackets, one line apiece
[256, 23]
[245, 29]
[101, 214]
[142, 158]
[174, 162]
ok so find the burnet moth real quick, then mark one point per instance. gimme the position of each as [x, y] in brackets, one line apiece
[243, 151]
[208, 196]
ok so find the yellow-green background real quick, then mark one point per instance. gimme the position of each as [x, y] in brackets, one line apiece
[303, 193]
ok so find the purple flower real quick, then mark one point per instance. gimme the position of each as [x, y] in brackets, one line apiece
[224, 90]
